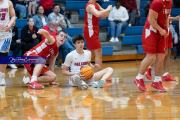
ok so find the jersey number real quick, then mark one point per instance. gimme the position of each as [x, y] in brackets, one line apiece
[2, 16]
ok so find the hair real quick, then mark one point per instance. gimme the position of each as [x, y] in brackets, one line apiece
[55, 6]
[63, 32]
[117, 1]
[50, 21]
[38, 8]
[29, 19]
[77, 37]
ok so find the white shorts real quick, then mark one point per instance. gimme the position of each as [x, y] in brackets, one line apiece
[5, 40]
[88, 82]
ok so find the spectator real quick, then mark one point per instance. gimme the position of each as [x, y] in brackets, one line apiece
[48, 6]
[31, 7]
[117, 17]
[40, 19]
[21, 9]
[16, 44]
[51, 28]
[131, 7]
[146, 8]
[176, 41]
[29, 35]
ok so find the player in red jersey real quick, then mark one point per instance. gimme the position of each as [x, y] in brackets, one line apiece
[155, 30]
[91, 28]
[168, 47]
[48, 48]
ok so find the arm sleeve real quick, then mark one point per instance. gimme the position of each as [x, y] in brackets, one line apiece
[156, 6]
[24, 36]
[68, 59]
[126, 15]
[110, 18]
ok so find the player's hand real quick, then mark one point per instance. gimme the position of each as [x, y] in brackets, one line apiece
[18, 41]
[7, 27]
[163, 33]
[97, 66]
[110, 8]
[175, 40]
[81, 76]
[2, 26]
[103, 17]
[42, 31]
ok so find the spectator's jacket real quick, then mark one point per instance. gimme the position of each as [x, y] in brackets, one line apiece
[53, 16]
[118, 14]
[129, 4]
[38, 21]
[47, 4]
[26, 35]
[51, 33]
[14, 35]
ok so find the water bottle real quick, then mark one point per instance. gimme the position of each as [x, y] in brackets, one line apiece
[21, 16]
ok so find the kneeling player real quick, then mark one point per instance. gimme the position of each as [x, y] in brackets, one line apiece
[49, 48]
[77, 59]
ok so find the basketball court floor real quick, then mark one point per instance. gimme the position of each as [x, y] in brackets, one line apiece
[119, 99]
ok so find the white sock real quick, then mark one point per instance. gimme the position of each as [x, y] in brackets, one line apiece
[165, 74]
[139, 76]
[34, 78]
[157, 79]
[34, 98]
[150, 67]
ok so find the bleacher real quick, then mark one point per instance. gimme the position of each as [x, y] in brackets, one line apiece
[131, 37]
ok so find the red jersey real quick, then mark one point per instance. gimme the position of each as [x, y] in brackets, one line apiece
[91, 21]
[163, 8]
[45, 50]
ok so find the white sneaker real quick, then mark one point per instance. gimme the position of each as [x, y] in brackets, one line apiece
[98, 84]
[26, 80]
[79, 82]
[116, 39]
[130, 25]
[112, 39]
[2, 82]
[13, 66]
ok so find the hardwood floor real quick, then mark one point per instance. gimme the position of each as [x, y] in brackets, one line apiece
[119, 99]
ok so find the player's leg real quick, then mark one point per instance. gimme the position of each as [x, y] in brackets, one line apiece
[148, 72]
[2, 70]
[98, 57]
[101, 77]
[75, 80]
[47, 77]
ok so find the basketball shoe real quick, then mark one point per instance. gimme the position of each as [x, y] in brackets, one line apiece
[2, 79]
[79, 82]
[148, 74]
[168, 78]
[26, 80]
[158, 86]
[140, 84]
[35, 85]
[98, 84]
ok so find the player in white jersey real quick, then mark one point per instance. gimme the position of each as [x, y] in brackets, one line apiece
[79, 58]
[6, 11]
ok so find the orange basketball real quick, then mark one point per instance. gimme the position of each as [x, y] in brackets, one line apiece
[87, 71]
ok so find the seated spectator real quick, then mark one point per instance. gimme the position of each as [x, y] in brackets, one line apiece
[16, 44]
[117, 17]
[21, 9]
[51, 27]
[146, 8]
[48, 6]
[176, 41]
[29, 34]
[131, 7]
[40, 19]
[31, 7]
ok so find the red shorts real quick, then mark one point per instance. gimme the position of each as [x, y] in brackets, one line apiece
[30, 67]
[92, 41]
[168, 41]
[152, 42]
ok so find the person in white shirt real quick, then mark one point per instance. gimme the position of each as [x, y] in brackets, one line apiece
[117, 17]
[78, 58]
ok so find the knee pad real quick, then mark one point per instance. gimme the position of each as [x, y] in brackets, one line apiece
[3, 54]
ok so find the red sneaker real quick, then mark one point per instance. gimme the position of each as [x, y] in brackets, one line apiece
[35, 85]
[168, 78]
[148, 74]
[109, 80]
[140, 84]
[158, 86]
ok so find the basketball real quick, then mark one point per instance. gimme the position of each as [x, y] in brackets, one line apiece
[87, 71]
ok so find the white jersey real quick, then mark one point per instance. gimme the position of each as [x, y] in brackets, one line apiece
[75, 60]
[5, 37]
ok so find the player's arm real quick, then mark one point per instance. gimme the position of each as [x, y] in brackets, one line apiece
[91, 9]
[152, 21]
[101, 9]
[174, 18]
[52, 61]
[46, 34]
